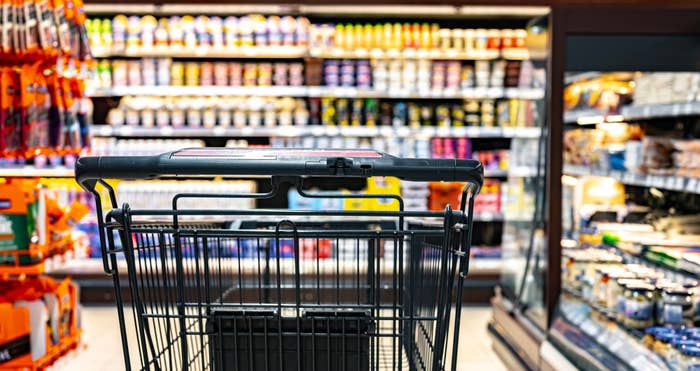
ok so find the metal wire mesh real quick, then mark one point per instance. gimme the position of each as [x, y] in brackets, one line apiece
[289, 289]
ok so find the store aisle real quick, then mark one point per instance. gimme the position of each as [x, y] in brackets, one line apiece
[102, 345]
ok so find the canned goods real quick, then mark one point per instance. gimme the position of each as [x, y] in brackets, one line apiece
[206, 74]
[250, 74]
[235, 71]
[192, 74]
[177, 74]
[264, 74]
[364, 73]
[221, 73]
[331, 72]
[163, 74]
[296, 74]
[148, 71]
[280, 74]
[134, 73]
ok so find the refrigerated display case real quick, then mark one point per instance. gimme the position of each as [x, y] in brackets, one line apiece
[621, 122]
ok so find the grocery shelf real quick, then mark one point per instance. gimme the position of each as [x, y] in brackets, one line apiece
[597, 343]
[651, 111]
[32, 171]
[316, 91]
[304, 131]
[407, 53]
[279, 52]
[633, 112]
[585, 115]
[668, 182]
[296, 52]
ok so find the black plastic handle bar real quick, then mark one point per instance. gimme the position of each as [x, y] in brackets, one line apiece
[278, 162]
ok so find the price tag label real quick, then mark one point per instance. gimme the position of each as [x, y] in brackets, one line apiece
[317, 130]
[361, 52]
[386, 131]
[247, 130]
[403, 131]
[495, 92]
[105, 130]
[428, 131]
[443, 131]
[376, 53]
[473, 131]
[126, 130]
[332, 130]
[646, 111]
[393, 53]
[491, 132]
[670, 182]
[459, 131]
[480, 92]
[168, 130]
[691, 185]
[679, 183]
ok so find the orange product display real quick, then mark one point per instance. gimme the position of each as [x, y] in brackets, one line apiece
[44, 58]
[34, 226]
[39, 322]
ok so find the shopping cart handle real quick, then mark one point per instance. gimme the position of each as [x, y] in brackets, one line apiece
[278, 162]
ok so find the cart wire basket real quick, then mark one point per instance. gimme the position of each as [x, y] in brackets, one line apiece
[285, 289]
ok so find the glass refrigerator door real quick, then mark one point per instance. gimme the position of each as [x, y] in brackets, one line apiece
[524, 257]
[630, 203]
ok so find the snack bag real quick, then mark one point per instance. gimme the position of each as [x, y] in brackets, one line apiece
[47, 37]
[31, 30]
[18, 32]
[62, 26]
[6, 26]
[11, 128]
[56, 117]
[27, 111]
[71, 126]
[81, 42]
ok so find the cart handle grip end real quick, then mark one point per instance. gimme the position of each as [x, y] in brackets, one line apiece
[278, 162]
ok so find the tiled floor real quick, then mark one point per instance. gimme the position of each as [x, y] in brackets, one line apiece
[102, 345]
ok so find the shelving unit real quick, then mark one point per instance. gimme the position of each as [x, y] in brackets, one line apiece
[295, 52]
[304, 131]
[314, 91]
[634, 112]
[667, 182]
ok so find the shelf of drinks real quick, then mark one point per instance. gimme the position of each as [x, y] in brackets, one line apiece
[592, 341]
[92, 266]
[633, 112]
[667, 182]
[316, 130]
[297, 52]
[33, 171]
[316, 91]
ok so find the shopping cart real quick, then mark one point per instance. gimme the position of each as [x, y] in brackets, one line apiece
[285, 289]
